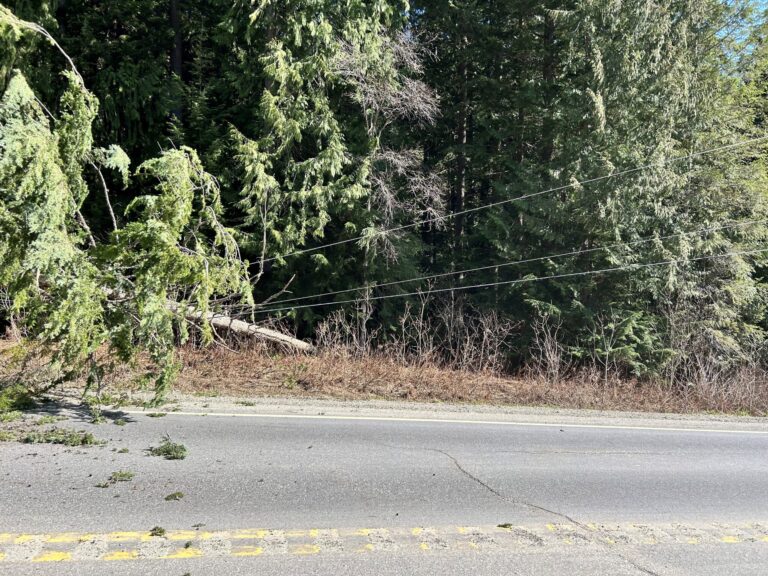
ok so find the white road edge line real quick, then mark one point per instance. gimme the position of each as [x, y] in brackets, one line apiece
[456, 421]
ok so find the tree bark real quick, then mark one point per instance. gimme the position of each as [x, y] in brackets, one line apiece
[177, 52]
[246, 328]
[460, 187]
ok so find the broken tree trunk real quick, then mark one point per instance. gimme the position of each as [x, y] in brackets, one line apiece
[246, 328]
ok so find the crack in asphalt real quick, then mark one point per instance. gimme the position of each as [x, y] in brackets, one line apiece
[562, 515]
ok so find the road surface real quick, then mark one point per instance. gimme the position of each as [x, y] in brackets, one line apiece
[321, 489]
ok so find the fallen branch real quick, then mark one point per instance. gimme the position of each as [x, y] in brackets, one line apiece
[242, 327]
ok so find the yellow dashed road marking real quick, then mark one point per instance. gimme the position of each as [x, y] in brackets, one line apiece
[66, 537]
[111, 546]
[22, 538]
[248, 551]
[185, 553]
[124, 536]
[53, 557]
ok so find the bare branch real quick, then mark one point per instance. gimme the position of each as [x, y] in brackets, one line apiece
[106, 195]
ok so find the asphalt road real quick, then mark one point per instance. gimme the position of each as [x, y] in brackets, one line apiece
[270, 490]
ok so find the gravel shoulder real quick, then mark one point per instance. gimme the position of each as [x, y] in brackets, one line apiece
[386, 409]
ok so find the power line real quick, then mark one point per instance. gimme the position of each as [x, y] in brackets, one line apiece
[519, 262]
[518, 281]
[519, 198]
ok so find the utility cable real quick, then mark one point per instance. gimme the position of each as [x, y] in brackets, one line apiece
[523, 197]
[517, 281]
[525, 261]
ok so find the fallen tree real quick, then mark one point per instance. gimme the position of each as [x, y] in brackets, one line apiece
[243, 328]
[74, 293]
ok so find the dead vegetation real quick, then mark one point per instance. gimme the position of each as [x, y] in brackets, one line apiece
[255, 371]
[452, 357]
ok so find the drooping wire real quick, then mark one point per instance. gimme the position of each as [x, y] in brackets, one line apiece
[442, 218]
[509, 263]
[516, 281]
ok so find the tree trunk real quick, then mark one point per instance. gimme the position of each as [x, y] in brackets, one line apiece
[548, 77]
[177, 52]
[246, 328]
[460, 186]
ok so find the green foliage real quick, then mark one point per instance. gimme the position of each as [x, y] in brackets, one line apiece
[284, 125]
[43, 420]
[11, 416]
[169, 450]
[63, 436]
[122, 476]
[540, 98]
[130, 293]
[119, 476]
[15, 398]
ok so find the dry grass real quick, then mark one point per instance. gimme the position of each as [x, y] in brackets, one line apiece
[256, 371]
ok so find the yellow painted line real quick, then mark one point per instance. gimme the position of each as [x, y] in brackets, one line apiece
[124, 536]
[122, 555]
[68, 537]
[248, 542]
[248, 551]
[184, 553]
[22, 538]
[249, 534]
[461, 421]
[146, 537]
[53, 557]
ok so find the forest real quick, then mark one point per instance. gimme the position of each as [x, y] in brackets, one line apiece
[562, 189]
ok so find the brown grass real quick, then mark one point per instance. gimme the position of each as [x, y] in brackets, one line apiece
[256, 371]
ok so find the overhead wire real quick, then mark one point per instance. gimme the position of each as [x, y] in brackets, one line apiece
[575, 184]
[509, 263]
[516, 281]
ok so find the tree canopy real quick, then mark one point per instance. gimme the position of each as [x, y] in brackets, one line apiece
[292, 159]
